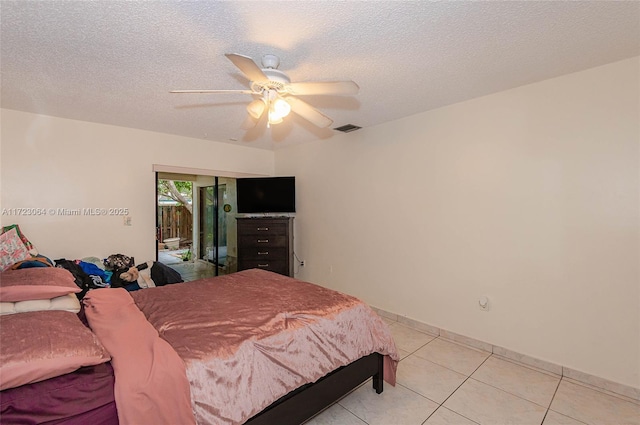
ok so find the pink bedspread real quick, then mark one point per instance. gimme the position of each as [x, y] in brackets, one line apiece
[150, 383]
[251, 337]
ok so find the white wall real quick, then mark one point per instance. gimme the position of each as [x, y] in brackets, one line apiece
[49, 162]
[529, 196]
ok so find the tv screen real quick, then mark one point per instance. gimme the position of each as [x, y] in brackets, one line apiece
[266, 195]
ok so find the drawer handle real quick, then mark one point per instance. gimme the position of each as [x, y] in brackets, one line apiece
[263, 228]
[263, 253]
[263, 265]
[263, 240]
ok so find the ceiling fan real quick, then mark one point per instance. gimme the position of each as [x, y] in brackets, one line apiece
[276, 93]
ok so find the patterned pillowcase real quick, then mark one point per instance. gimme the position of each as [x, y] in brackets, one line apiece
[32, 249]
[12, 250]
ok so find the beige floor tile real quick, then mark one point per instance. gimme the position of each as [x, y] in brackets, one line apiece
[594, 407]
[419, 326]
[403, 354]
[604, 389]
[490, 406]
[428, 379]
[454, 356]
[408, 339]
[465, 340]
[335, 415]
[555, 418]
[444, 416]
[614, 388]
[388, 321]
[396, 405]
[523, 359]
[518, 380]
[385, 314]
[194, 270]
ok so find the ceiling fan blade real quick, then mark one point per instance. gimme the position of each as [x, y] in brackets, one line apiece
[323, 87]
[249, 122]
[257, 115]
[308, 112]
[248, 67]
[254, 128]
[256, 108]
[212, 91]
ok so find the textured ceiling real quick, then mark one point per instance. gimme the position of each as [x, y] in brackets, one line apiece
[114, 62]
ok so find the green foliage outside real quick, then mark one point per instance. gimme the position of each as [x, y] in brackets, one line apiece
[179, 191]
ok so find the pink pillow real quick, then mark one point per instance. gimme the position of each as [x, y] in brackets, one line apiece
[12, 250]
[42, 344]
[36, 283]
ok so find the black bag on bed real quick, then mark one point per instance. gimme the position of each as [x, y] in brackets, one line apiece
[162, 274]
[116, 281]
[82, 279]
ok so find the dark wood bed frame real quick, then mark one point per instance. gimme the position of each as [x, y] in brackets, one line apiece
[292, 409]
[305, 402]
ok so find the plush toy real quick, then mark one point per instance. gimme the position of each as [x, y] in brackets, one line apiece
[151, 274]
[130, 275]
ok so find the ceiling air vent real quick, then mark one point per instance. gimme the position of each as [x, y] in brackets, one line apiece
[348, 128]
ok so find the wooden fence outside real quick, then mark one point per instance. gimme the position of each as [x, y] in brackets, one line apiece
[175, 221]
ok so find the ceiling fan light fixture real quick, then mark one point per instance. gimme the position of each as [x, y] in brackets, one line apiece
[274, 120]
[256, 108]
[280, 108]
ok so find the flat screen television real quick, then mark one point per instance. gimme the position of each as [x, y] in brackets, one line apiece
[266, 195]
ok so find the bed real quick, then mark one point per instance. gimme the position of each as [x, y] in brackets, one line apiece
[280, 352]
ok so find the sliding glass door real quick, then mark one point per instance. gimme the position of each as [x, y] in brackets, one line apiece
[217, 225]
[207, 226]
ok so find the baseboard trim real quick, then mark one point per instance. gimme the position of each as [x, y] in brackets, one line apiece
[564, 371]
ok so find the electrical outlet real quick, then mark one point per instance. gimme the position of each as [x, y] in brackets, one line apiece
[301, 263]
[483, 303]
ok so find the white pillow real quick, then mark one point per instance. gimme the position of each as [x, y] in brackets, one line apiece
[67, 302]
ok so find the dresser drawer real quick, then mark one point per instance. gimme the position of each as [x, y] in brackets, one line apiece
[277, 266]
[261, 253]
[262, 241]
[261, 228]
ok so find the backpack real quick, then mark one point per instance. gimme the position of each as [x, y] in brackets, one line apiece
[119, 262]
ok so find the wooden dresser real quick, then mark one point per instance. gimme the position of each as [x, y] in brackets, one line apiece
[266, 243]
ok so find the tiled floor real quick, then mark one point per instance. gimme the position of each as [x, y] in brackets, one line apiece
[194, 270]
[442, 382]
[189, 270]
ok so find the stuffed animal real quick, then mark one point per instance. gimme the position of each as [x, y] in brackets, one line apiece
[130, 275]
[151, 274]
